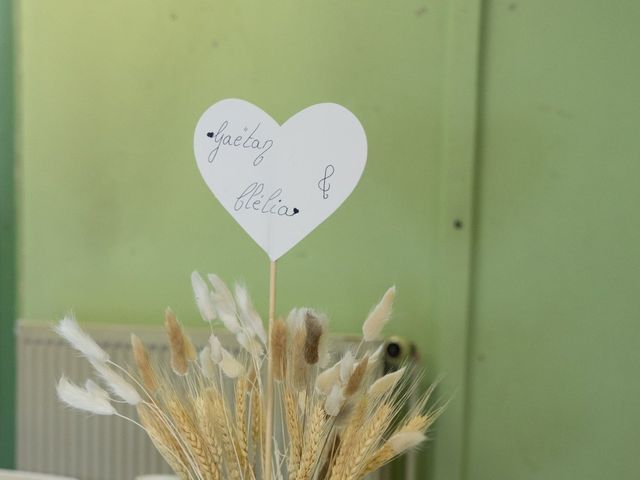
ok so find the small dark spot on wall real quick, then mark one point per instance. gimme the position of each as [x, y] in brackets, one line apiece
[512, 7]
[457, 224]
[420, 11]
[215, 44]
[173, 16]
[557, 111]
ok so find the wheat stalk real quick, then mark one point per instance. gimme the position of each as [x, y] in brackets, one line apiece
[219, 411]
[361, 444]
[191, 435]
[313, 442]
[208, 414]
[241, 423]
[164, 441]
[293, 430]
[208, 431]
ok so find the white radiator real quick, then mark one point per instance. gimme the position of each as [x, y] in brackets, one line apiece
[52, 438]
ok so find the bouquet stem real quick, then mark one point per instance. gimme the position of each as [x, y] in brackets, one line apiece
[268, 441]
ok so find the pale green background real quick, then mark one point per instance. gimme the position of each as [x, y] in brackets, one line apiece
[518, 118]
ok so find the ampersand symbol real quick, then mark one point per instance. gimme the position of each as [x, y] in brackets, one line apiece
[323, 184]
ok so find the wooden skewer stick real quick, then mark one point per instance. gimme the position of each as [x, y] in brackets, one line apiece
[268, 441]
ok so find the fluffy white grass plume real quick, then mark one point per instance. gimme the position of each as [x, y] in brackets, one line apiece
[95, 389]
[225, 306]
[202, 295]
[248, 313]
[379, 316]
[386, 383]
[403, 441]
[335, 401]
[206, 363]
[118, 385]
[69, 329]
[231, 367]
[346, 366]
[215, 348]
[376, 356]
[78, 397]
[338, 423]
[249, 343]
[327, 379]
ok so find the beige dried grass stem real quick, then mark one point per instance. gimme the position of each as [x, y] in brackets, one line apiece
[355, 380]
[143, 364]
[176, 343]
[279, 349]
[337, 422]
[298, 363]
[313, 333]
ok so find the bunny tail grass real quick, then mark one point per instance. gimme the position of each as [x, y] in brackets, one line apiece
[81, 399]
[248, 313]
[279, 348]
[379, 316]
[143, 364]
[386, 383]
[69, 329]
[177, 343]
[403, 441]
[204, 300]
[118, 385]
[278, 407]
[314, 331]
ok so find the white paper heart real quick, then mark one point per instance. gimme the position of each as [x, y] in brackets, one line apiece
[279, 182]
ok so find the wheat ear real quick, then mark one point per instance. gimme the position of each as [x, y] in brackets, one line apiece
[362, 444]
[355, 423]
[191, 435]
[218, 411]
[313, 442]
[399, 443]
[241, 423]
[209, 433]
[164, 441]
[293, 429]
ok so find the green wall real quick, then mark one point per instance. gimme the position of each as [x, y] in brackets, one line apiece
[553, 364]
[498, 195]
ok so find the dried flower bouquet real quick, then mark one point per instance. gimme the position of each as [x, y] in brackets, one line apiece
[206, 413]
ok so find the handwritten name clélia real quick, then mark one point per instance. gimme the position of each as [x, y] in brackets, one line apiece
[253, 198]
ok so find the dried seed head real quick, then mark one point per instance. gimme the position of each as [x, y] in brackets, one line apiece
[176, 343]
[279, 348]
[355, 380]
[298, 363]
[145, 370]
[379, 316]
[314, 331]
